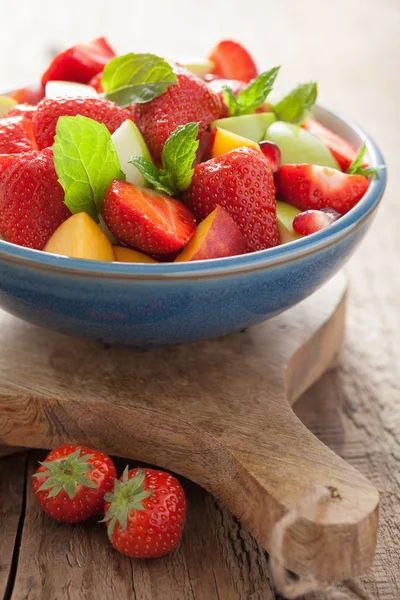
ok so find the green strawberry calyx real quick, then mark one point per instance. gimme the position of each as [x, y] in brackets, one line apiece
[253, 96]
[178, 155]
[357, 166]
[66, 474]
[128, 495]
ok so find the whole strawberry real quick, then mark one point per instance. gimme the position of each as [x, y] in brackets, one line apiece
[188, 100]
[240, 181]
[16, 135]
[145, 515]
[71, 482]
[49, 111]
[31, 199]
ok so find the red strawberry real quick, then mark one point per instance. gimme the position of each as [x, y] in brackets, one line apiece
[22, 110]
[189, 100]
[232, 61]
[217, 86]
[49, 111]
[241, 181]
[95, 82]
[71, 482]
[343, 151]
[312, 221]
[31, 199]
[16, 136]
[80, 63]
[147, 220]
[272, 153]
[314, 187]
[145, 515]
[30, 95]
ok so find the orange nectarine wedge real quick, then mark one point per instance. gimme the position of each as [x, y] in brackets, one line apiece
[80, 237]
[131, 256]
[216, 237]
[223, 141]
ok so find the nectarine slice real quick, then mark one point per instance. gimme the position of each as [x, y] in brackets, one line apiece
[216, 237]
[223, 141]
[131, 256]
[80, 237]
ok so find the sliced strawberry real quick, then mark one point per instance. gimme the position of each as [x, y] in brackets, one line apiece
[240, 181]
[218, 85]
[272, 153]
[314, 187]
[312, 221]
[49, 111]
[79, 63]
[16, 135]
[147, 220]
[22, 110]
[189, 100]
[29, 95]
[95, 82]
[232, 61]
[343, 151]
[31, 199]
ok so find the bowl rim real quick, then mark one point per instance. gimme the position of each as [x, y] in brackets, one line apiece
[262, 259]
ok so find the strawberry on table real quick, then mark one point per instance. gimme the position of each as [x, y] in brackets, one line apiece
[315, 187]
[79, 63]
[23, 110]
[49, 111]
[71, 482]
[242, 182]
[232, 61]
[31, 199]
[311, 221]
[16, 135]
[344, 152]
[145, 514]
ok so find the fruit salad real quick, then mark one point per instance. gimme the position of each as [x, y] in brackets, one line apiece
[142, 159]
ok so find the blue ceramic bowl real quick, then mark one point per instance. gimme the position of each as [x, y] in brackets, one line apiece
[148, 305]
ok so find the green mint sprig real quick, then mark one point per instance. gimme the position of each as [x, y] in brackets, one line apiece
[177, 159]
[253, 96]
[136, 78]
[86, 163]
[295, 107]
[357, 168]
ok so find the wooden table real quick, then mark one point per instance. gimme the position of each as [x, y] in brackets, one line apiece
[353, 51]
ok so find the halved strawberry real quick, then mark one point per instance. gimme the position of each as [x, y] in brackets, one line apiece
[311, 221]
[31, 199]
[187, 101]
[343, 151]
[16, 135]
[23, 110]
[240, 181]
[146, 219]
[79, 63]
[314, 187]
[232, 61]
[49, 111]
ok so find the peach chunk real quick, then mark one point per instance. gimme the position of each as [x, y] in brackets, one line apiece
[216, 237]
[131, 256]
[80, 237]
[223, 141]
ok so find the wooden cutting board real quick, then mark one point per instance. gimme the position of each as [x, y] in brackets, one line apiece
[218, 412]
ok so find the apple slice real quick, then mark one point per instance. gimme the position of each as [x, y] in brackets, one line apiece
[223, 141]
[69, 89]
[252, 127]
[199, 67]
[285, 214]
[129, 142]
[80, 237]
[6, 104]
[128, 255]
[217, 236]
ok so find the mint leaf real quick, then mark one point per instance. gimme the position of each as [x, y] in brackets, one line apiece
[86, 163]
[294, 107]
[136, 78]
[177, 159]
[253, 96]
[356, 167]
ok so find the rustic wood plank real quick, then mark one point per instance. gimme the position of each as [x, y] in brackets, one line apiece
[217, 559]
[12, 477]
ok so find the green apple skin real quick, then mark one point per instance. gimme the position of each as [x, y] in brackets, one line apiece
[200, 68]
[129, 142]
[252, 127]
[298, 146]
[6, 104]
[285, 213]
